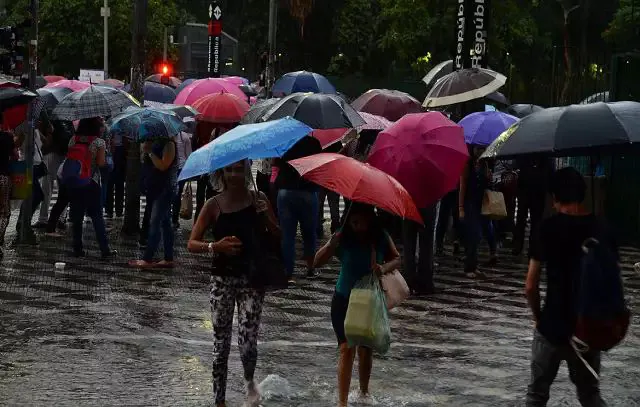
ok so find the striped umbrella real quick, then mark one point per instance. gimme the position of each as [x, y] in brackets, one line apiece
[462, 86]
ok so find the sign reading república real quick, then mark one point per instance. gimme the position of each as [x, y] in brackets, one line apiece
[215, 40]
[472, 21]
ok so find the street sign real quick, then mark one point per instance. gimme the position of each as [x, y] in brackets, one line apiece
[215, 39]
[105, 12]
[91, 75]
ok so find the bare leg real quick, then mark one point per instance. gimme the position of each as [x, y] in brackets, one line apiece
[365, 363]
[345, 367]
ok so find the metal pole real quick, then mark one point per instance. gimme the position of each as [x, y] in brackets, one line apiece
[106, 13]
[273, 8]
[164, 41]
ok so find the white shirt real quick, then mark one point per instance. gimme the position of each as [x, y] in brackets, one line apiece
[37, 147]
[183, 145]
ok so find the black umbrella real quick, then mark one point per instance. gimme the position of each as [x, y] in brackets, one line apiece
[248, 90]
[50, 98]
[523, 110]
[10, 97]
[498, 97]
[462, 86]
[256, 112]
[571, 130]
[316, 110]
[41, 82]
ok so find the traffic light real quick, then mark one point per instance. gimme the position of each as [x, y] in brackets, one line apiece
[165, 70]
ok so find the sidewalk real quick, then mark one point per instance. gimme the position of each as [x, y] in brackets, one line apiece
[101, 334]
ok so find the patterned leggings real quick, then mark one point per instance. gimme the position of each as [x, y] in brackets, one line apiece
[5, 205]
[226, 292]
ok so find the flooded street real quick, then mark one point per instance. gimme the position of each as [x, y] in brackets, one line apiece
[101, 334]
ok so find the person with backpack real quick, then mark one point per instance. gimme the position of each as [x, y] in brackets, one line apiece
[160, 187]
[80, 174]
[580, 255]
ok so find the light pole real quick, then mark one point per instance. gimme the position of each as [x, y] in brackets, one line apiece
[105, 12]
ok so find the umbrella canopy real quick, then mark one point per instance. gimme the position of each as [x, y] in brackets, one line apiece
[184, 84]
[319, 111]
[10, 97]
[255, 113]
[157, 92]
[425, 152]
[157, 78]
[50, 98]
[236, 80]
[146, 123]
[597, 97]
[462, 86]
[54, 78]
[114, 83]
[207, 86]
[499, 98]
[95, 101]
[570, 130]
[69, 83]
[373, 122]
[248, 90]
[523, 110]
[302, 81]
[221, 108]
[358, 182]
[183, 112]
[390, 104]
[442, 69]
[250, 141]
[6, 82]
[482, 128]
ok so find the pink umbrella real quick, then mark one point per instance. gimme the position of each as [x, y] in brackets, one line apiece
[374, 122]
[70, 84]
[54, 78]
[114, 83]
[426, 152]
[236, 80]
[203, 87]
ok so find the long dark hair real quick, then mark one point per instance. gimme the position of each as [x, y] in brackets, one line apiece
[89, 127]
[376, 231]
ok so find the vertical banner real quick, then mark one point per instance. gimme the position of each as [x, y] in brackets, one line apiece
[478, 17]
[215, 39]
[459, 61]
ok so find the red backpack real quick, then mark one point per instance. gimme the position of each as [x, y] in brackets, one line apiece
[76, 170]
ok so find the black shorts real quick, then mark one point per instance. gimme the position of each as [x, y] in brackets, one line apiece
[339, 305]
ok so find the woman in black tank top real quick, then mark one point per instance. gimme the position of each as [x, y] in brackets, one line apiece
[234, 216]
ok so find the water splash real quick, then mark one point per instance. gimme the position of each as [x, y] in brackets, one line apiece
[357, 398]
[275, 387]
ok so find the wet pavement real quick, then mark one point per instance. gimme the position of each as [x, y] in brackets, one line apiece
[101, 334]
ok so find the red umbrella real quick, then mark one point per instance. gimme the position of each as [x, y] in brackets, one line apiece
[391, 104]
[426, 152]
[8, 83]
[53, 78]
[358, 182]
[329, 136]
[221, 107]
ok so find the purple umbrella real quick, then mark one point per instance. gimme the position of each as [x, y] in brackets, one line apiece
[482, 128]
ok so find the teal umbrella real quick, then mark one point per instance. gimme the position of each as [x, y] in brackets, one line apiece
[147, 123]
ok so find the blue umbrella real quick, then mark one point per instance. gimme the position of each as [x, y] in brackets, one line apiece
[482, 128]
[157, 92]
[184, 84]
[250, 141]
[302, 81]
[146, 123]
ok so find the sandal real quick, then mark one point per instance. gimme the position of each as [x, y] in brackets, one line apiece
[141, 264]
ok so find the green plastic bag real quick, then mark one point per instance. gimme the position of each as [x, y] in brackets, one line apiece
[367, 320]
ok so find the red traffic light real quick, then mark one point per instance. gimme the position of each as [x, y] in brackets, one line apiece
[165, 70]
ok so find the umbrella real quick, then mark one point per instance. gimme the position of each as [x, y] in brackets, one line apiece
[255, 113]
[597, 97]
[6, 82]
[462, 86]
[10, 97]
[498, 97]
[184, 84]
[236, 80]
[250, 141]
[571, 130]
[373, 122]
[358, 182]
[54, 78]
[391, 104]
[95, 101]
[157, 92]
[50, 98]
[41, 82]
[425, 152]
[157, 78]
[221, 108]
[442, 69]
[69, 83]
[302, 81]
[482, 128]
[114, 83]
[182, 111]
[522, 110]
[319, 111]
[248, 90]
[146, 123]
[202, 87]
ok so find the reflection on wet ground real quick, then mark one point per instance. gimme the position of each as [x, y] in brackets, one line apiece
[101, 334]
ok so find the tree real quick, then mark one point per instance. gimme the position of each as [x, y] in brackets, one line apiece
[624, 30]
[300, 10]
[355, 29]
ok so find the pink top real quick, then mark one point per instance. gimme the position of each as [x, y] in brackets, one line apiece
[274, 173]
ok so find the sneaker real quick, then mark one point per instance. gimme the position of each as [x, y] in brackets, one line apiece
[312, 273]
[253, 395]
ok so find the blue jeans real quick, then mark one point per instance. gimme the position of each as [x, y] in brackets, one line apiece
[88, 200]
[297, 206]
[545, 362]
[474, 226]
[160, 226]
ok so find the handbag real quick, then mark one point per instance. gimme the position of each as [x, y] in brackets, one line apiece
[395, 287]
[21, 181]
[186, 203]
[493, 205]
